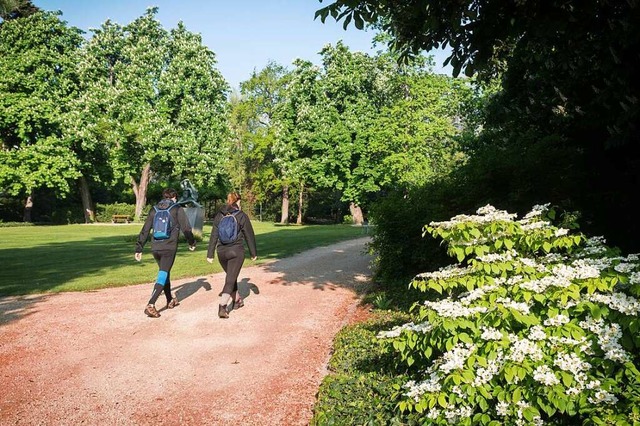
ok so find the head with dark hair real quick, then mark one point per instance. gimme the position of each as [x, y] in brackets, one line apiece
[169, 193]
[233, 198]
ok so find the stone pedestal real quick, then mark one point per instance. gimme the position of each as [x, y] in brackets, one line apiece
[196, 219]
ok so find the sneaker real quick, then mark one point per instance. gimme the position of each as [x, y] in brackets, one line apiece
[173, 303]
[238, 304]
[222, 311]
[150, 310]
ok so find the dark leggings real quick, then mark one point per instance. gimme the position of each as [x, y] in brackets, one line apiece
[231, 258]
[165, 260]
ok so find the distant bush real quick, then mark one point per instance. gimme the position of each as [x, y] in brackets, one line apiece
[14, 224]
[105, 211]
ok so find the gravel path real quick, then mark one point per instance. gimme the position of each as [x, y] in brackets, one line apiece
[94, 358]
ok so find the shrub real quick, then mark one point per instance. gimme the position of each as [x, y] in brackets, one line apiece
[536, 324]
[396, 242]
[363, 376]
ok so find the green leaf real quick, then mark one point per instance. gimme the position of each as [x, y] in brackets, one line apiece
[442, 400]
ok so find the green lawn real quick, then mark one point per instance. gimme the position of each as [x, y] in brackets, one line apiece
[41, 259]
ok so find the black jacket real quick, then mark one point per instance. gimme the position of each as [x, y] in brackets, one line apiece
[180, 223]
[246, 232]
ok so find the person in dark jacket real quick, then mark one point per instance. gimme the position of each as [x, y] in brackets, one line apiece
[164, 250]
[231, 255]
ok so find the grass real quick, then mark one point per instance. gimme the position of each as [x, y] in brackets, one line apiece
[51, 259]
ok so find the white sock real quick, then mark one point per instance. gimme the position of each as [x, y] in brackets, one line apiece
[224, 299]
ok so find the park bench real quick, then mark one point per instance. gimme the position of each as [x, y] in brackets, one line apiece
[120, 217]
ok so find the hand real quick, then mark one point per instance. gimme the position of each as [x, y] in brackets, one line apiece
[138, 257]
[254, 258]
[192, 248]
[210, 259]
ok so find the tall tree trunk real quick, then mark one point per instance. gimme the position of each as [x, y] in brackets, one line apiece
[28, 206]
[87, 202]
[140, 190]
[299, 219]
[356, 213]
[284, 217]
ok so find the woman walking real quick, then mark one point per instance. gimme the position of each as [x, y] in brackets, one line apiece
[167, 219]
[231, 227]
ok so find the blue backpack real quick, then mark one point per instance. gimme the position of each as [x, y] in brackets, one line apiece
[228, 231]
[162, 222]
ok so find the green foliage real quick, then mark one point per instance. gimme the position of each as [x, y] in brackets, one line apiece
[535, 324]
[396, 242]
[37, 79]
[564, 123]
[361, 388]
[152, 102]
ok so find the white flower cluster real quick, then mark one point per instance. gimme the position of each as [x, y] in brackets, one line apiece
[433, 413]
[454, 416]
[485, 374]
[536, 211]
[521, 307]
[583, 344]
[486, 214]
[556, 321]
[543, 374]
[535, 225]
[521, 348]
[532, 263]
[594, 246]
[603, 397]
[502, 408]
[625, 268]
[553, 258]
[579, 270]
[423, 327]
[456, 357]
[560, 232]
[537, 333]
[417, 389]
[444, 273]
[608, 339]
[490, 333]
[634, 278]
[541, 285]
[476, 293]
[498, 257]
[521, 421]
[570, 362]
[618, 301]
[454, 309]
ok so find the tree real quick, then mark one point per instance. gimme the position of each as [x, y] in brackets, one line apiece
[253, 128]
[14, 9]
[295, 119]
[568, 71]
[164, 103]
[37, 81]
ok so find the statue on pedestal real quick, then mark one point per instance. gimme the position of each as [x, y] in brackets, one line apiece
[189, 194]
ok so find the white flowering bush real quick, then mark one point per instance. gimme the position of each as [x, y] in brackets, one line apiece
[534, 325]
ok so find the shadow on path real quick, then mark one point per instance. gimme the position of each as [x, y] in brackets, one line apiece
[345, 264]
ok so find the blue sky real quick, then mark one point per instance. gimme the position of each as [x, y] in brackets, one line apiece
[244, 34]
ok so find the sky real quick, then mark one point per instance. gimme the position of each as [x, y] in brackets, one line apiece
[244, 34]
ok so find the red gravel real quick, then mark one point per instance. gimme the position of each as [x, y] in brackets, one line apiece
[94, 358]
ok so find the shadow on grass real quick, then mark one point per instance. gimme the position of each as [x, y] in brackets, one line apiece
[43, 268]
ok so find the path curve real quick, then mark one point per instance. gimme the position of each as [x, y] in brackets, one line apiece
[94, 358]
